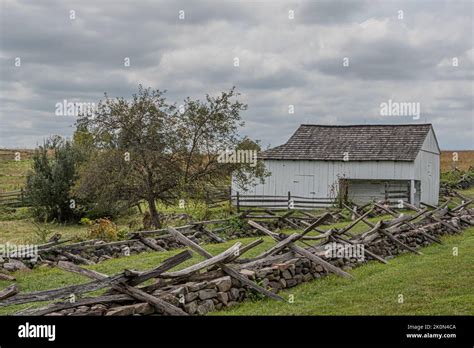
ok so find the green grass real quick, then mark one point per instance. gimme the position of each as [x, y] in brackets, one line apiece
[13, 174]
[45, 277]
[436, 283]
[469, 193]
[23, 231]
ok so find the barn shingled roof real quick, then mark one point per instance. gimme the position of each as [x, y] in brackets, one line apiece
[362, 142]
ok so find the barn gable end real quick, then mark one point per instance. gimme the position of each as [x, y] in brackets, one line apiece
[381, 159]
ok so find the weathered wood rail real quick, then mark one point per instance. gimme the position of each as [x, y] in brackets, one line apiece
[226, 278]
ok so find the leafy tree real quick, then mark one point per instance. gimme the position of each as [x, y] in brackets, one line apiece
[49, 183]
[149, 150]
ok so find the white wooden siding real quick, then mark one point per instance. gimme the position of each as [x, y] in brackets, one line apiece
[295, 176]
[427, 169]
[315, 178]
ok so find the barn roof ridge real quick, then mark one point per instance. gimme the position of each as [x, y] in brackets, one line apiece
[373, 142]
[366, 125]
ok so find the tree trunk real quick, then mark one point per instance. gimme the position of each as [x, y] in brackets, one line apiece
[155, 217]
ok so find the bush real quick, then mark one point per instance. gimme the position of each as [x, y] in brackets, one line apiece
[85, 221]
[104, 229]
[48, 185]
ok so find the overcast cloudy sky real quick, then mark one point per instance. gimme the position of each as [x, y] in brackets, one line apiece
[406, 51]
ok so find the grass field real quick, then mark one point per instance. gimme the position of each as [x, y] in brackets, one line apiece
[13, 174]
[436, 283]
[465, 160]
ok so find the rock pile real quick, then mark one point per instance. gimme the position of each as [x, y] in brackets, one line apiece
[226, 279]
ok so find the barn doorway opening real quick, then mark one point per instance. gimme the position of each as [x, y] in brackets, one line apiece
[362, 191]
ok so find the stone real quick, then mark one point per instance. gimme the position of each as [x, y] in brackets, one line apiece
[291, 282]
[248, 273]
[205, 306]
[99, 307]
[264, 272]
[282, 266]
[140, 308]
[122, 310]
[272, 277]
[223, 284]
[274, 286]
[66, 311]
[191, 296]
[82, 309]
[211, 285]
[286, 274]
[144, 309]
[14, 265]
[193, 287]
[235, 282]
[232, 303]
[4, 276]
[178, 291]
[282, 281]
[170, 299]
[207, 293]
[307, 277]
[191, 307]
[319, 268]
[223, 297]
[234, 294]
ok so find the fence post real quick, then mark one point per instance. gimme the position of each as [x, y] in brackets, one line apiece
[22, 196]
[289, 198]
[238, 202]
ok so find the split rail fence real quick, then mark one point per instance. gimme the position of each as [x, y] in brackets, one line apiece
[227, 278]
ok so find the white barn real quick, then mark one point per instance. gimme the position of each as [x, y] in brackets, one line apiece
[366, 162]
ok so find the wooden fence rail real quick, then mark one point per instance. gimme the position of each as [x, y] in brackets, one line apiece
[280, 202]
[13, 198]
[221, 280]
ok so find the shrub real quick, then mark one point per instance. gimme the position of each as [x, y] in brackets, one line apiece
[103, 229]
[48, 185]
[85, 221]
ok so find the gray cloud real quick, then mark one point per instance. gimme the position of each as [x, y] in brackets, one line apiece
[282, 61]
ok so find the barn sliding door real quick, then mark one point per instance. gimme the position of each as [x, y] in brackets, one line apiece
[303, 185]
[363, 191]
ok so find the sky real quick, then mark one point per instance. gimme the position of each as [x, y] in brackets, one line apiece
[294, 62]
